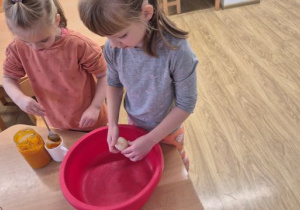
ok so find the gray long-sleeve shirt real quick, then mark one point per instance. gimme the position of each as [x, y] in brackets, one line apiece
[154, 85]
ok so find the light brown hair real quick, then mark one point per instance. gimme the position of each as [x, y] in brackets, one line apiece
[26, 14]
[107, 17]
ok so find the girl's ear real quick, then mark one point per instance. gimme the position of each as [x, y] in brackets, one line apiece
[147, 11]
[57, 20]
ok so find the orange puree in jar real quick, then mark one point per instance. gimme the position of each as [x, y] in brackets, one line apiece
[31, 145]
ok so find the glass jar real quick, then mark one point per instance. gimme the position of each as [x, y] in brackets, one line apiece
[31, 145]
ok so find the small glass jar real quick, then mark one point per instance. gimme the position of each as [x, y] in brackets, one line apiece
[31, 145]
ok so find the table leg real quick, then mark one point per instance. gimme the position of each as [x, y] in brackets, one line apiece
[2, 125]
[217, 5]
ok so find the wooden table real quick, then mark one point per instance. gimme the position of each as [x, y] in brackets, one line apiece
[22, 187]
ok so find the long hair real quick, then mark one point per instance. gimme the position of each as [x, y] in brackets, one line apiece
[26, 14]
[107, 17]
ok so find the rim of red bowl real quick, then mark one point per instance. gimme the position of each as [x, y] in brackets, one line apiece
[79, 204]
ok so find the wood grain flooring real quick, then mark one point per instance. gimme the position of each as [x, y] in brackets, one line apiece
[243, 139]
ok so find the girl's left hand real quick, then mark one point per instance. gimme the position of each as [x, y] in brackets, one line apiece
[89, 117]
[138, 148]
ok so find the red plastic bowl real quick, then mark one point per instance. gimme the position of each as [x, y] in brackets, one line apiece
[93, 178]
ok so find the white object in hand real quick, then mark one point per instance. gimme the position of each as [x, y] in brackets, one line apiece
[121, 144]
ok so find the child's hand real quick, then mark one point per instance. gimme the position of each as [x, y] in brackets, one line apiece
[29, 105]
[112, 136]
[138, 149]
[89, 117]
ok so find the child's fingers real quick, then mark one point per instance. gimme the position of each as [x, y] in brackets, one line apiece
[40, 111]
[87, 121]
[85, 124]
[113, 149]
[37, 110]
[128, 152]
[135, 159]
[131, 156]
[92, 122]
[82, 122]
[111, 141]
[39, 106]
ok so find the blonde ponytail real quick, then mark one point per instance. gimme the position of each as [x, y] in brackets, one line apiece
[26, 13]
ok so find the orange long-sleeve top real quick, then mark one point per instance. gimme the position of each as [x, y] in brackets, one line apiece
[62, 76]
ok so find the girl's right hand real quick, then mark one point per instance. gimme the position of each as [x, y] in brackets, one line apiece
[29, 105]
[112, 136]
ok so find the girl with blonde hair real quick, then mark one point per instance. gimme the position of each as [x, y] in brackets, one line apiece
[62, 66]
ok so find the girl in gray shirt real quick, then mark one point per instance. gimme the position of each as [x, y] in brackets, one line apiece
[149, 57]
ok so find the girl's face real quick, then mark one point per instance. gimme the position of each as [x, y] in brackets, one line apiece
[41, 37]
[38, 40]
[130, 37]
[133, 35]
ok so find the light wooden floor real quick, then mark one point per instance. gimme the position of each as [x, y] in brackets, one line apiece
[244, 138]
